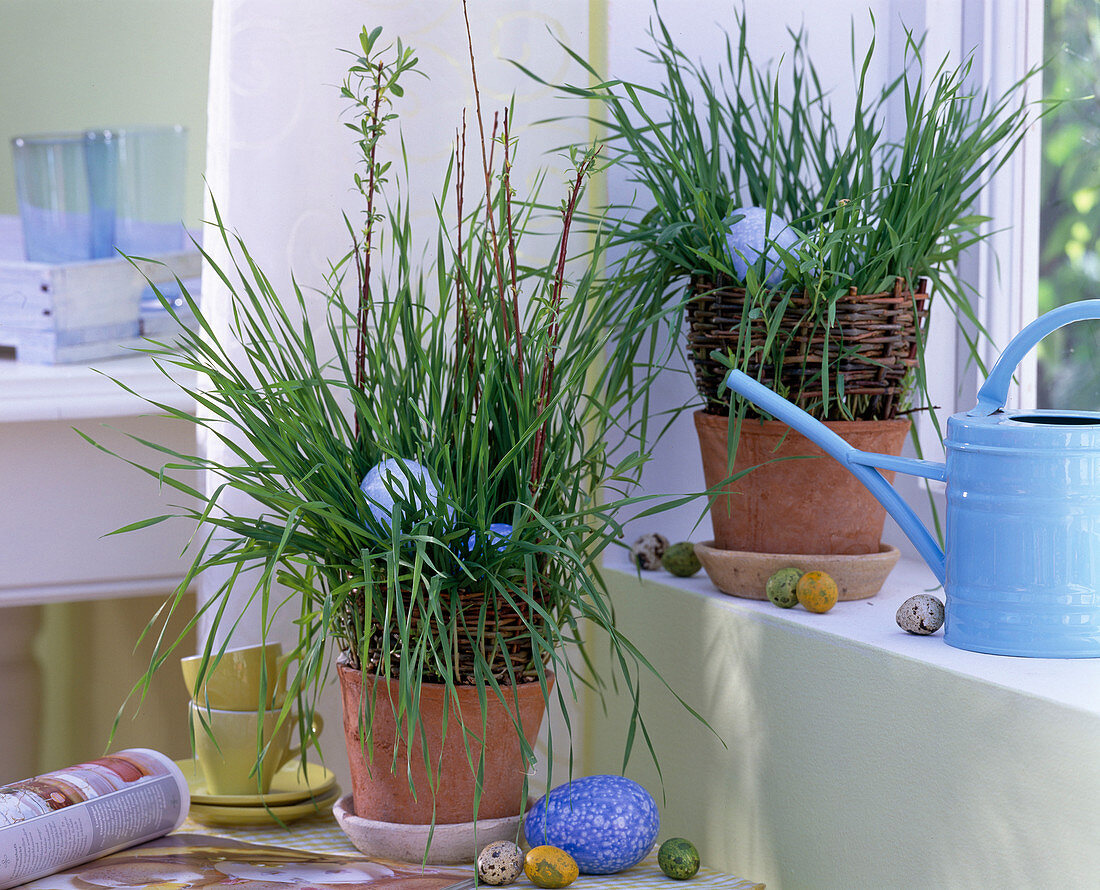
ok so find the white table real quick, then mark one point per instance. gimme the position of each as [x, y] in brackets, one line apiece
[59, 497]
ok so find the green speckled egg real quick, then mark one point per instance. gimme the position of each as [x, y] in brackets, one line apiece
[678, 858]
[782, 586]
[548, 866]
[680, 560]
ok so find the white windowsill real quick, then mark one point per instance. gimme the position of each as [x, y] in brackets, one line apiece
[80, 391]
[870, 623]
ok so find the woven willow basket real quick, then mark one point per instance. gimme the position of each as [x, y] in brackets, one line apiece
[877, 334]
[501, 627]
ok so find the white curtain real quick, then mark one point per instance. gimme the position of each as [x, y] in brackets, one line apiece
[280, 162]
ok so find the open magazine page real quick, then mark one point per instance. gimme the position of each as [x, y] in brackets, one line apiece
[184, 861]
[63, 818]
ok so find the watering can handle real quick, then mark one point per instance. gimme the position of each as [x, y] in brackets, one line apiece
[994, 392]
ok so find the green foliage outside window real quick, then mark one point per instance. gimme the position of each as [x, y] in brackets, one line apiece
[1069, 361]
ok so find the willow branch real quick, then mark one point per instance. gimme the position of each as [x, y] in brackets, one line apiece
[546, 382]
[487, 168]
[512, 249]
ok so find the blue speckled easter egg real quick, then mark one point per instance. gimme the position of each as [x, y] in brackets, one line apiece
[748, 237]
[606, 823]
[405, 482]
[497, 536]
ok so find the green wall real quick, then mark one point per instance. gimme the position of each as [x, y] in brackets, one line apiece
[74, 64]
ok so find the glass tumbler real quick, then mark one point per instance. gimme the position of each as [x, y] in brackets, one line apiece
[151, 166]
[54, 178]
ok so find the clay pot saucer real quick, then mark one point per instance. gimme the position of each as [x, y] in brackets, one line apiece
[451, 843]
[744, 574]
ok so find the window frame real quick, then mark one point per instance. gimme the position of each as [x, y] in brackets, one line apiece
[1005, 40]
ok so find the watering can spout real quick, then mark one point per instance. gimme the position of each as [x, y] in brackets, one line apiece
[863, 465]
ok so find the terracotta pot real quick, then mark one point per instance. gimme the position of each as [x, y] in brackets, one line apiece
[808, 505]
[380, 784]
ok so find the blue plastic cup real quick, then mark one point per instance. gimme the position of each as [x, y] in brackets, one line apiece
[53, 187]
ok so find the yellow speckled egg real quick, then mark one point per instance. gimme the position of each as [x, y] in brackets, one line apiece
[548, 866]
[817, 592]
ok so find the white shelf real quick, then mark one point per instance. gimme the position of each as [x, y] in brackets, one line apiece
[30, 392]
[841, 751]
[1072, 682]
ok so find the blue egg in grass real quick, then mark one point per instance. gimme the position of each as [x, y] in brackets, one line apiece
[497, 536]
[749, 236]
[406, 483]
[606, 823]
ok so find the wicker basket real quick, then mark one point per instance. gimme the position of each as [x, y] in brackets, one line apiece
[502, 627]
[877, 334]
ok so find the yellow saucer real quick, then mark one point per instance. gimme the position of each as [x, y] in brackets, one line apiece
[238, 815]
[291, 784]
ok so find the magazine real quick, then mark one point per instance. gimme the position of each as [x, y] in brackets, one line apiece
[183, 861]
[63, 818]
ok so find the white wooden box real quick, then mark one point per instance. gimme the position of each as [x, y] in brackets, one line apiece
[75, 312]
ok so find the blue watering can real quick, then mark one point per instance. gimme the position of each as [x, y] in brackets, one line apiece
[1022, 567]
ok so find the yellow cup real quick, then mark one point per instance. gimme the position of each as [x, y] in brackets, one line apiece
[226, 747]
[233, 683]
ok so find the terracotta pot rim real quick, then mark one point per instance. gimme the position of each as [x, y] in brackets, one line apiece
[721, 421]
[343, 667]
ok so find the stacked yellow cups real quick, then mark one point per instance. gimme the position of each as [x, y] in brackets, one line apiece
[240, 742]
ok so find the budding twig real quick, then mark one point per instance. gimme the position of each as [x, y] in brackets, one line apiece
[553, 326]
[507, 186]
